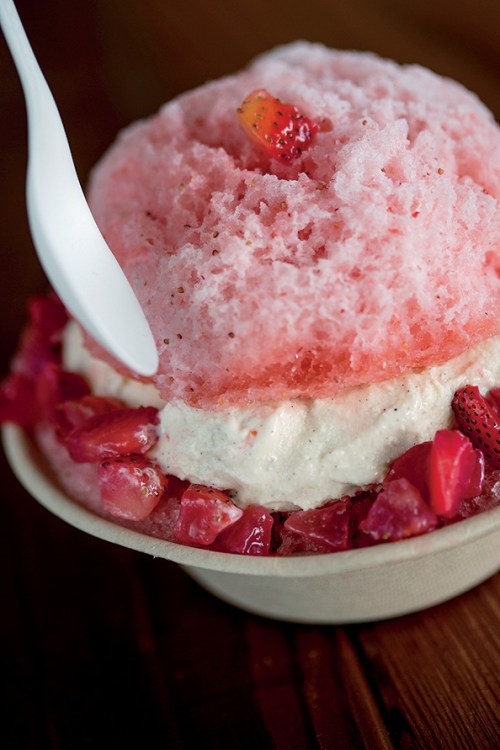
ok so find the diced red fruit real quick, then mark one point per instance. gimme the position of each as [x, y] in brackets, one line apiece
[279, 128]
[325, 529]
[75, 413]
[250, 535]
[41, 339]
[54, 386]
[453, 467]
[121, 432]
[204, 513]
[477, 419]
[398, 512]
[130, 487]
[18, 402]
[413, 465]
[360, 507]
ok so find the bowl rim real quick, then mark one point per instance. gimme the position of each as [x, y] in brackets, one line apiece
[33, 472]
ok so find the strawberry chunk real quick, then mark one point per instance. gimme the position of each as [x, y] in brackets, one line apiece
[112, 434]
[75, 413]
[41, 338]
[54, 386]
[398, 512]
[323, 529]
[279, 128]
[18, 402]
[130, 487]
[413, 465]
[250, 535]
[477, 419]
[455, 472]
[204, 513]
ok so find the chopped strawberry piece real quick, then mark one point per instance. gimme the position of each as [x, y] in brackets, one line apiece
[250, 535]
[18, 402]
[204, 513]
[113, 434]
[477, 419]
[323, 529]
[54, 386]
[41, 338]
[75, 413]
[279, 128]
[398, 512]
[453, 465]
[130, 487]
[360, 507]
[413, 465]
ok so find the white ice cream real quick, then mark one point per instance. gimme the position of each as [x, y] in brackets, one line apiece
[298, 453]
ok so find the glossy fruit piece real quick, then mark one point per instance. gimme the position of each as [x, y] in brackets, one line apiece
[398, 512]
[130, 487]
[477, 419]
[250, 535]
[204, 513]
[453, 463]
[74, 413]
[279, 128]
[54, 386]
[121, 432]
[323, 529]
[413, 465]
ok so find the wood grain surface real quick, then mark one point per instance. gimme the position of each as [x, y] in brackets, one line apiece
[104, 647]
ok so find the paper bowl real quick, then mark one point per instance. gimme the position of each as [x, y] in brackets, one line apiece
[344, 587]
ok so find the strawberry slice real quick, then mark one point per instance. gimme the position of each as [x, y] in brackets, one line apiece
[204, 513]
[279, 128]
[398, 512]
[130, 487]
[455, 472]
[54, 386]
[41, 339]
[413, 465]
[121, 432]
[74, 413]
[323, 529]
[477, 419]
[250, 535]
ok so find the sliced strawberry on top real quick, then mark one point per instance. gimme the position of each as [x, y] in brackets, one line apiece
[477, 419]
[279, 128]
[398, 512]
[204, 513]
[121, 432]
[250, 535]
[413, 465]
[130, 487]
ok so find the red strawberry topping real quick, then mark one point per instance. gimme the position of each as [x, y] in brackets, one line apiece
[277, 127]
[323, 529]
[398, 512]
[130, 487]
[456, 472]
[477, 418]
[250, 535]
[204, 513]
[121, 432]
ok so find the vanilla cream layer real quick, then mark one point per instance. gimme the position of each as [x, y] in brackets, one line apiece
[303, 452]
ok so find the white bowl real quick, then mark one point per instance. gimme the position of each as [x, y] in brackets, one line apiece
[354, 586]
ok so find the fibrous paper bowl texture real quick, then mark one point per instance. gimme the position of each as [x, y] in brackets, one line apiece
[344, 587]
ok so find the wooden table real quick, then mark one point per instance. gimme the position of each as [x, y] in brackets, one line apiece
[103, 647]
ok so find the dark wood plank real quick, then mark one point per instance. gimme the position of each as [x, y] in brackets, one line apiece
[438, 672]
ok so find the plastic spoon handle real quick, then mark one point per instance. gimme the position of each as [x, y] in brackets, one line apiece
[71, 249]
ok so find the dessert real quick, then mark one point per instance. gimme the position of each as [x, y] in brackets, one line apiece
[315, 243]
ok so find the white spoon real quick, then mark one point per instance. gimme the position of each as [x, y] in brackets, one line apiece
[71, 249]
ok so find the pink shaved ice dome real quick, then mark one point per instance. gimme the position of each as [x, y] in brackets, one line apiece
[377, 251]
